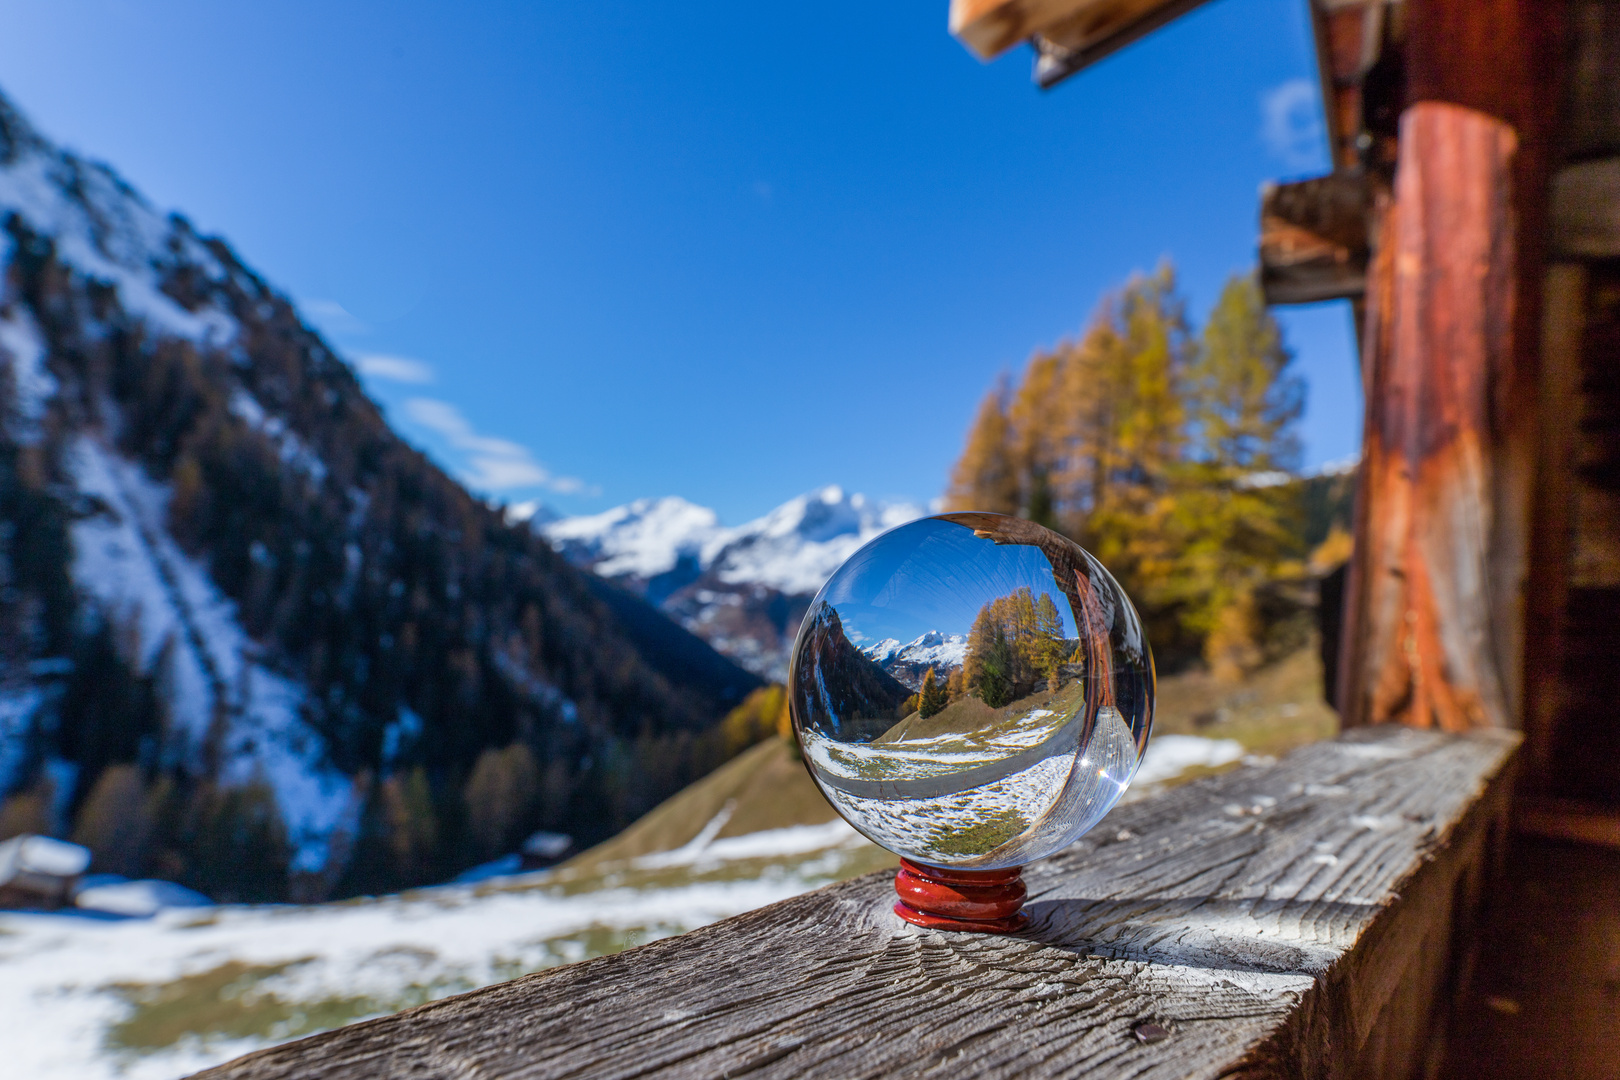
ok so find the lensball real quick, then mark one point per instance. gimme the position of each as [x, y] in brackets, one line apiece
[972, 691]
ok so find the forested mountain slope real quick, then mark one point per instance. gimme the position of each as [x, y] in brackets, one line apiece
[249, 638]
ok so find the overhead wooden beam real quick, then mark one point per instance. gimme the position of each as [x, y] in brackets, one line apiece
[1314, 238]
[1068, 34]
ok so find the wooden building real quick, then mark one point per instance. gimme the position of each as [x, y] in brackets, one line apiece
[1404, 901]
[1473, 219]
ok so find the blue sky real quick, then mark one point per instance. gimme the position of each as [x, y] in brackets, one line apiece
[732, 251]
[933, 575]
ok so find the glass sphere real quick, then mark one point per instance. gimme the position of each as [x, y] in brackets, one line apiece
[972, 691]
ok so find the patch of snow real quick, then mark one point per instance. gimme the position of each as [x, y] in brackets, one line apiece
[125, 560]
[883, 651]
[796, 547]
[17, 709]
[505, 866]
[23, 348]
[768, 843]
[292, 450]
[531, 511]
[41, 855]
[1170, 755]
[693, 848]
[60, 975]
[399, 735]
[540, 690]
[137, 899]
[102, 228]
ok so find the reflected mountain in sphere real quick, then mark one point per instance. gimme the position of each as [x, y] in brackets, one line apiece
[1011, 719]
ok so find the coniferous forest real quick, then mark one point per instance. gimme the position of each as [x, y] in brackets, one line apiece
[1168, 453]
[469, 682]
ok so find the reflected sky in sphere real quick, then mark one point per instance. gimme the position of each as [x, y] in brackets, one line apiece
[972, 691]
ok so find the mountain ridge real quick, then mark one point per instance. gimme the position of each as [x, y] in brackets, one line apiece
[220, 565]
[744, 589]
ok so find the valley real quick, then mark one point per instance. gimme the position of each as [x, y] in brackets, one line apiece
[86, 998]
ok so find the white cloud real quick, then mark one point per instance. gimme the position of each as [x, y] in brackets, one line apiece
[492, 464]
[1291, 124]
[394, 368]
[332, 317]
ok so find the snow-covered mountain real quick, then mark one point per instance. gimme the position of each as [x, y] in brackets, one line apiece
[220, 565]
[909, 662]
[743, 588]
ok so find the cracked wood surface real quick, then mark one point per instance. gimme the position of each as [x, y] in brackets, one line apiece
[1295, 919]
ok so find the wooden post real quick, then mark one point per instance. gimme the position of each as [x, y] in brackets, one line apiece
[1445, 537]
[1424, 649]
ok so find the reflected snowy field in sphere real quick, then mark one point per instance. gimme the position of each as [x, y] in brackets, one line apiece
[972, 691]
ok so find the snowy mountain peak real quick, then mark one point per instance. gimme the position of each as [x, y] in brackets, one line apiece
[911, 661]
[741, 588]
[641, 539]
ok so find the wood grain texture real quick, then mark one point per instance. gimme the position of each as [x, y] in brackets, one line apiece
[1315, 238]
[1586, 210]
[1286, 920]
[1433, 605]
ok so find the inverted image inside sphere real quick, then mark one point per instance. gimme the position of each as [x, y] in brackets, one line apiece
[972, 691]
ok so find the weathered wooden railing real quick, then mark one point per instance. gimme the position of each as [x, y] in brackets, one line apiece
[1308, 918]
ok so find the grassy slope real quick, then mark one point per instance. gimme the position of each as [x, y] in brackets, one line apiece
[1273, 711]
[766, 784]
[247, 995]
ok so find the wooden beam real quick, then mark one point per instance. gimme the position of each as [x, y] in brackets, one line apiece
[1586, 210]
[1563, 336]
[1298, 919]
[1314, 238]
[1446, 540]
[1568, 819]
[1423, 604]
[1069, 34]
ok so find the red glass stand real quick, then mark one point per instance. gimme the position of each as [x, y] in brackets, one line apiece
[978, 901]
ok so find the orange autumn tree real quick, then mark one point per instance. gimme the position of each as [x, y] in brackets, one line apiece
[1158, 449]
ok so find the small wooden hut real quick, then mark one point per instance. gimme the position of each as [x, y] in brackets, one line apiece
[1345, 912]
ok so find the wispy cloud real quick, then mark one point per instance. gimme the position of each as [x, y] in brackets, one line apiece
[493, 464]
[1291, 124]
[332, 317]
[394, 368]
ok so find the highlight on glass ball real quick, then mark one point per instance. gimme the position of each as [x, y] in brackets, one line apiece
[973, 692]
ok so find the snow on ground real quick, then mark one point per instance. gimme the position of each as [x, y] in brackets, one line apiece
[921, 757]
[1170, 755]
[96, 998]
[85, 999]
[291, 449]
[23, 350]
[1022, 815]
[104, 229]
[1030, 808]
[17, 706]
[125, 558]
